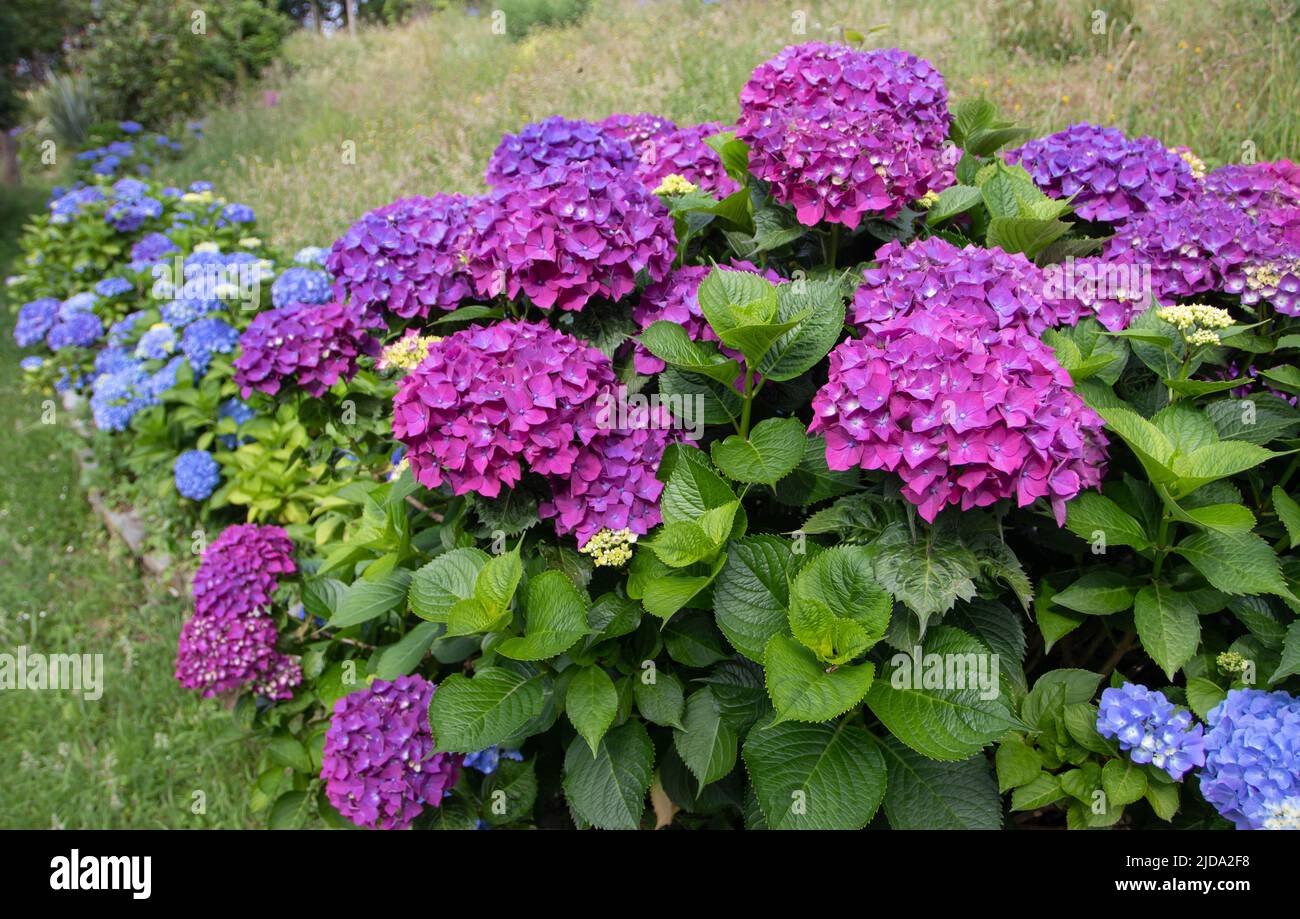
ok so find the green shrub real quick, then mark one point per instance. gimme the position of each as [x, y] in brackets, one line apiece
[522, 16]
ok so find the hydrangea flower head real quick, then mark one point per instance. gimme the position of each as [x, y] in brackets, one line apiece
[408, 257]
[965, 412]
[112, 287]
[241, 569]
[635, 129]
[1252, 759]
[206, 337]
[151, 248]
[35, 320]
[156, 344]
[379, 767]
[1112, 177]
[841, 133]
[301, 285]
[568, 234]
[684, 153]
[610, 548]
[1268, 192]
[556, 141]
[487, 760]
[311, 256]
[83, 302]
[308, 346]
[1150, 729]
[196, 474]
[490, 398]
[118, 395]
[80, 330]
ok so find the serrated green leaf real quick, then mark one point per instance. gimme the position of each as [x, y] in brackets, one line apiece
[803, 689]
[467, 715]
[705, 741]
[449, 578]
[591, 703]
[1017, 763]
[1168, 624]
[774, 447]
[608, 790]
[661, 701]
[1234, 562]
[1099, 592]
[926, 795]
[556, 618]
[751, 595]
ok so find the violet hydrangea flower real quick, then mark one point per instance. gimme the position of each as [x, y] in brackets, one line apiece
[305, 345]
[1150, 729]
[490, 398]
[1252, 759]
[841, 133]
[1112, 177]
[407, 257]
[556, 141]
[635, 129]
[569, 234]
[1269, 192]
[379, 767]
[684, 152]
[964, 412]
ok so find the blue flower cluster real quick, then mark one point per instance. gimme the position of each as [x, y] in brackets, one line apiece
[151, 248]
[197, 474]
[35, 320]
[157, 344]
[119, 395]
[205, 338]
[79, 330]
[64, 206]
[131, 206]
[113, 287]
[311, 256]
[487, 760]
[301, 285]
[1151, 730]
[1252, 761]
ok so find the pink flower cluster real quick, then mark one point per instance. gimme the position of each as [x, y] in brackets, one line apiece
[841, 133]
[568, 234]
[489, 397]
[379, 767]
[408, 257]
[1111, 176]
[965, 412]
[1269, 192]
[635, 129]
[684, 152]
[230, 640]
[308, 346]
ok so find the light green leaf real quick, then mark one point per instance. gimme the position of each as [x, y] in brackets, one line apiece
[670, 343]
[450, 577]
[773, 449]
[1017, 763]
[591, 703]
[1098, 592]
[1091, 514]
[467, 715]
[366, 600]
[401, 658]
[1168, 625]
[1234, 562]
[1042, 791]
[1203, 695]
[556, 619]
[1290, 663]
[751, 595]
[802, 689]
[799, 350]
[1288, 511]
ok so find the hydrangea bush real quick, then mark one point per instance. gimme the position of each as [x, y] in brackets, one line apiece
[698, 463]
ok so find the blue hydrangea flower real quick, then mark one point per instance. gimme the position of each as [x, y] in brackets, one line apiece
[240, 411]
[130, 127]
[35, 320]
[122, 331]
[1150, 729]
[70, 204]
[200, 187]
[1252, 761]
[106, 166]
[128, 216]
[158, 343]
[119, 396]
[487, 760]
[78, 303]
[112, 287]
[32, 363]
[112, 360]
[236, 213]
[181, 312]
[150, 249]
[205, 338]
[165, 378]
[129, 189]
[80, 330]
[197, 474]
[301, 285]
[311, 255]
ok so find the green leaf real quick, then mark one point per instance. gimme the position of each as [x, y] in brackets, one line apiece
[401, 658]
[613, 616]
[1290, 663]
[1124, 782]
[449, 578]
[1234, 562]
[681, 544]
[1163, 799]
[943, 722]
[1053, 623]
[1025, 234]
[928, 575]
[1053, 691]
[731, 298]
[1224, 518]
[773, 449]
[752, 593]
[510, 792]
[755, 341]
[1099, 592]
[954, 200]
[834, 590]
[1042, 791]
[662, 701]
[1148, 443]
[467, 715]
[1215, 461]
[925, 795]
[496, 583]
[1288, 511]
[290, 811]
[1203, 695]
[670, 343]
[322, 596]
[666, 595]
[691, 486]
[812, 480]
[472, 617]
[1017, 763]
[608, 790]
[1091, 514]
[366, 600]
[287, 751]
[556, 619]
[802, 689]
[821, 303]
[815, 776]
[705, 742]
[591, 704]
[1168, 625]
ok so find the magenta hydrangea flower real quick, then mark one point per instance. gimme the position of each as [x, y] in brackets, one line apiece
[1112, 177]
[1209, 244]
[676, 299]
[965, 412]
[613, 483]
[684, 152]
[556, 141]
[569, 234]
[379, 767]
[635, 129]
[1113, 289]
[490, 398]
[308, 346]
[1269, 192]
[408, 257]
[841, 133]
[230, 640]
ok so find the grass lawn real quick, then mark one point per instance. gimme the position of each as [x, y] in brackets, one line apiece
[135, 757]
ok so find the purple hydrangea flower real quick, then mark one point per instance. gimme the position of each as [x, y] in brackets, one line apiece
[301, 285]
[80, 330]
[1150, 729]
[379, 767]
[407, 257]
[1114, 289]
[841, 133]
[151, 248]
[1111, 177]
[556, 141]
[35, 320]
[308, 346]
[684, 152]
[196, 474]
[570, 234]
[241, 569]
[205, 338]
[489, 397]
[1269, 192]
[1252, 759]
[635, 129]
[965, 412]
